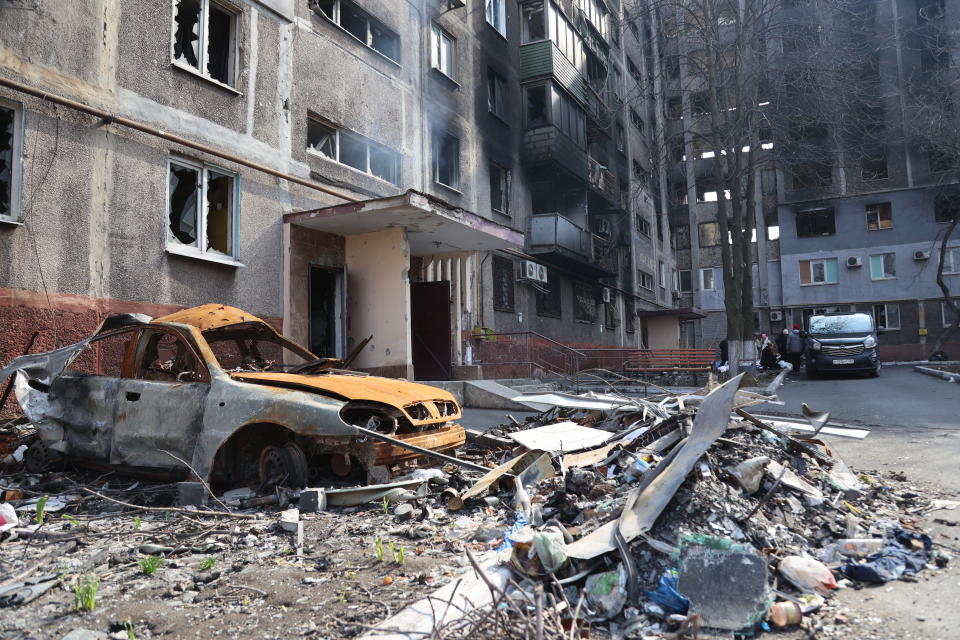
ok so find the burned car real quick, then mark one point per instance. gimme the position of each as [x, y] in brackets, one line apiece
[219, 389]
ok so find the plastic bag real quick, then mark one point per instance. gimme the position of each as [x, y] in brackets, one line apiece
[667, 596]
[550, 548]
[606, 592]
[807, 574]
[8, 517]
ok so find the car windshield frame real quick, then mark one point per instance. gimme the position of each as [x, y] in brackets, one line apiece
[255, 332]
[856, 323]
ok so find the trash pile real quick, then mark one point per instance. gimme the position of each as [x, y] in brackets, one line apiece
[670, 516]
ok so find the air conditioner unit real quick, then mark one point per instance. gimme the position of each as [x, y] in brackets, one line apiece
[921, 254]
[776, 316]
[533, 271]
[854, 261]
[606, 295]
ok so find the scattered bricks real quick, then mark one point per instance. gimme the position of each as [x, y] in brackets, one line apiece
[313, 500]
[191, 494]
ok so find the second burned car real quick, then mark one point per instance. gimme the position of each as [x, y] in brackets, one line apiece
[220, 389]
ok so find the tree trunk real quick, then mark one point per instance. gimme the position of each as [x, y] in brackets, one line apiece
[945, 288]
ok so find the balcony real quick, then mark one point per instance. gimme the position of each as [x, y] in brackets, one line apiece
[550, 148]
[543, 59]
[603, 182]
[556, 239]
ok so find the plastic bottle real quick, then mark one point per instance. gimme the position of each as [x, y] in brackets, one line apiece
[859, 546]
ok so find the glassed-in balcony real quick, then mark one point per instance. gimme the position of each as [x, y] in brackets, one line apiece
[558, 240]
[603, 182]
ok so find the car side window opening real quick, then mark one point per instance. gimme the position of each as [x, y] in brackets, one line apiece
[167, 358]
[254, 348]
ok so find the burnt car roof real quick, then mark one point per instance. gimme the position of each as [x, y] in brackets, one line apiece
[209, 316]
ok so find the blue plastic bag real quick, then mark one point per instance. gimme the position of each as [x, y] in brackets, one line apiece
[667, 596]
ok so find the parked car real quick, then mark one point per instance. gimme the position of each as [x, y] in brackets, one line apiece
[838, 342]
[220, 389]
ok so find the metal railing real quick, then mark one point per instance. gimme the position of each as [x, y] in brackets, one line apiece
[527, 354]
[553, 230]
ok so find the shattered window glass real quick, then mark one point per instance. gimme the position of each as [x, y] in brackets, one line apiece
[253, 347]
[219, 212]
[184, 190]
[353, 151]
[385, 164]
[537, 114]
[446, 160]
[354, 21]
[322, 138]
[167, 358]
[186, 39]
[7, 120]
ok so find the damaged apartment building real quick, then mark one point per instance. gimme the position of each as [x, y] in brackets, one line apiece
[851, 224]
[442, 175]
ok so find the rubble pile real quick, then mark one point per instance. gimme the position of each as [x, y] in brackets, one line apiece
[670, 516]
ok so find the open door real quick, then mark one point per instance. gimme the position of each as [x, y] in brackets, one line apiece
[327, 304]
[430, 327]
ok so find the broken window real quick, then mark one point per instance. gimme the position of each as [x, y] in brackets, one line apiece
[879, 216]
[681, 236]
[446, 159]
[700, 104]
[810, 175]
[823, 271]
[684, 282]
[167, 358]
[887, 316]
[442, 51]
[549, 302]
[584, 302]
[946, 312]
[202, 209]
[675, 108]
[353, 150]
[10, 142]
[204, 38]
[941, 160]
[569, 117]
[642, 225]
[611, 311]
[709, 234]
[499, 189]
[812, 223]
[534, 27]
[883, 266]
[361, 25]
[930, 11]
[503, 283]
[645, 279]
[945, 208]
[636, 119]
[537, 112]
[495, 93]
[874, 167]
[773, 227]
[621, 138]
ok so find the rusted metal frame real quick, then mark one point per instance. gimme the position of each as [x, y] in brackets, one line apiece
[6, 391]
[421, 450]
[159, 133]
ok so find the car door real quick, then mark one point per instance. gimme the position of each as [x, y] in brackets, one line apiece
[160, 408]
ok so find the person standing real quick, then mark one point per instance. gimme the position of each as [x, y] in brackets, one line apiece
[782, 342]
[795, 347]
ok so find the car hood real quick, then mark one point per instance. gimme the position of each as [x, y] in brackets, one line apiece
[397, 393]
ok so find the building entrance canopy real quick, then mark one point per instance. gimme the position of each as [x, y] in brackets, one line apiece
[432, 225]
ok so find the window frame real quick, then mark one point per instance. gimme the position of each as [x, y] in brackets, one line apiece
[499, 267]
[370, 19]
[202, 251]
[439, 35]
[826, 272]
[202, 37]
[944, 309]
[877, 208]
[680, 278]
[811, 212]
[953, 256]
[883, 266]
[504, 175]
[713, 279]
[885, 307]
[496, 94]
[646, 280]
[436, 136]
[16, 161]
[369, 145]
[491, 16]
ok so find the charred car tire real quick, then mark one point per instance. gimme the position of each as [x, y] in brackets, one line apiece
[283, 464]
[38, 457]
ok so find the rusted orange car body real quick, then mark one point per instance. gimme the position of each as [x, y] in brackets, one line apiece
[221, 389]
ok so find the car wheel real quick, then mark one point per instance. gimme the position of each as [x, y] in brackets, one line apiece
[875, 373]
[283, 464]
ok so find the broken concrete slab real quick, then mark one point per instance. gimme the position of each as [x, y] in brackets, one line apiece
[725, 582]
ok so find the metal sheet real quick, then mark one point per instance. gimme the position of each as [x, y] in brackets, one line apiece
[493, 475]
[789, 425]
[592, 402]
[560, 437]
[353, 496]
[647, 503]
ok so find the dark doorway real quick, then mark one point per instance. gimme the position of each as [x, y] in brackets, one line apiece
[430, 325]
[325, 312]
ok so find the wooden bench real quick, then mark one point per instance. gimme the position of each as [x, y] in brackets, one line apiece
[665, 360]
